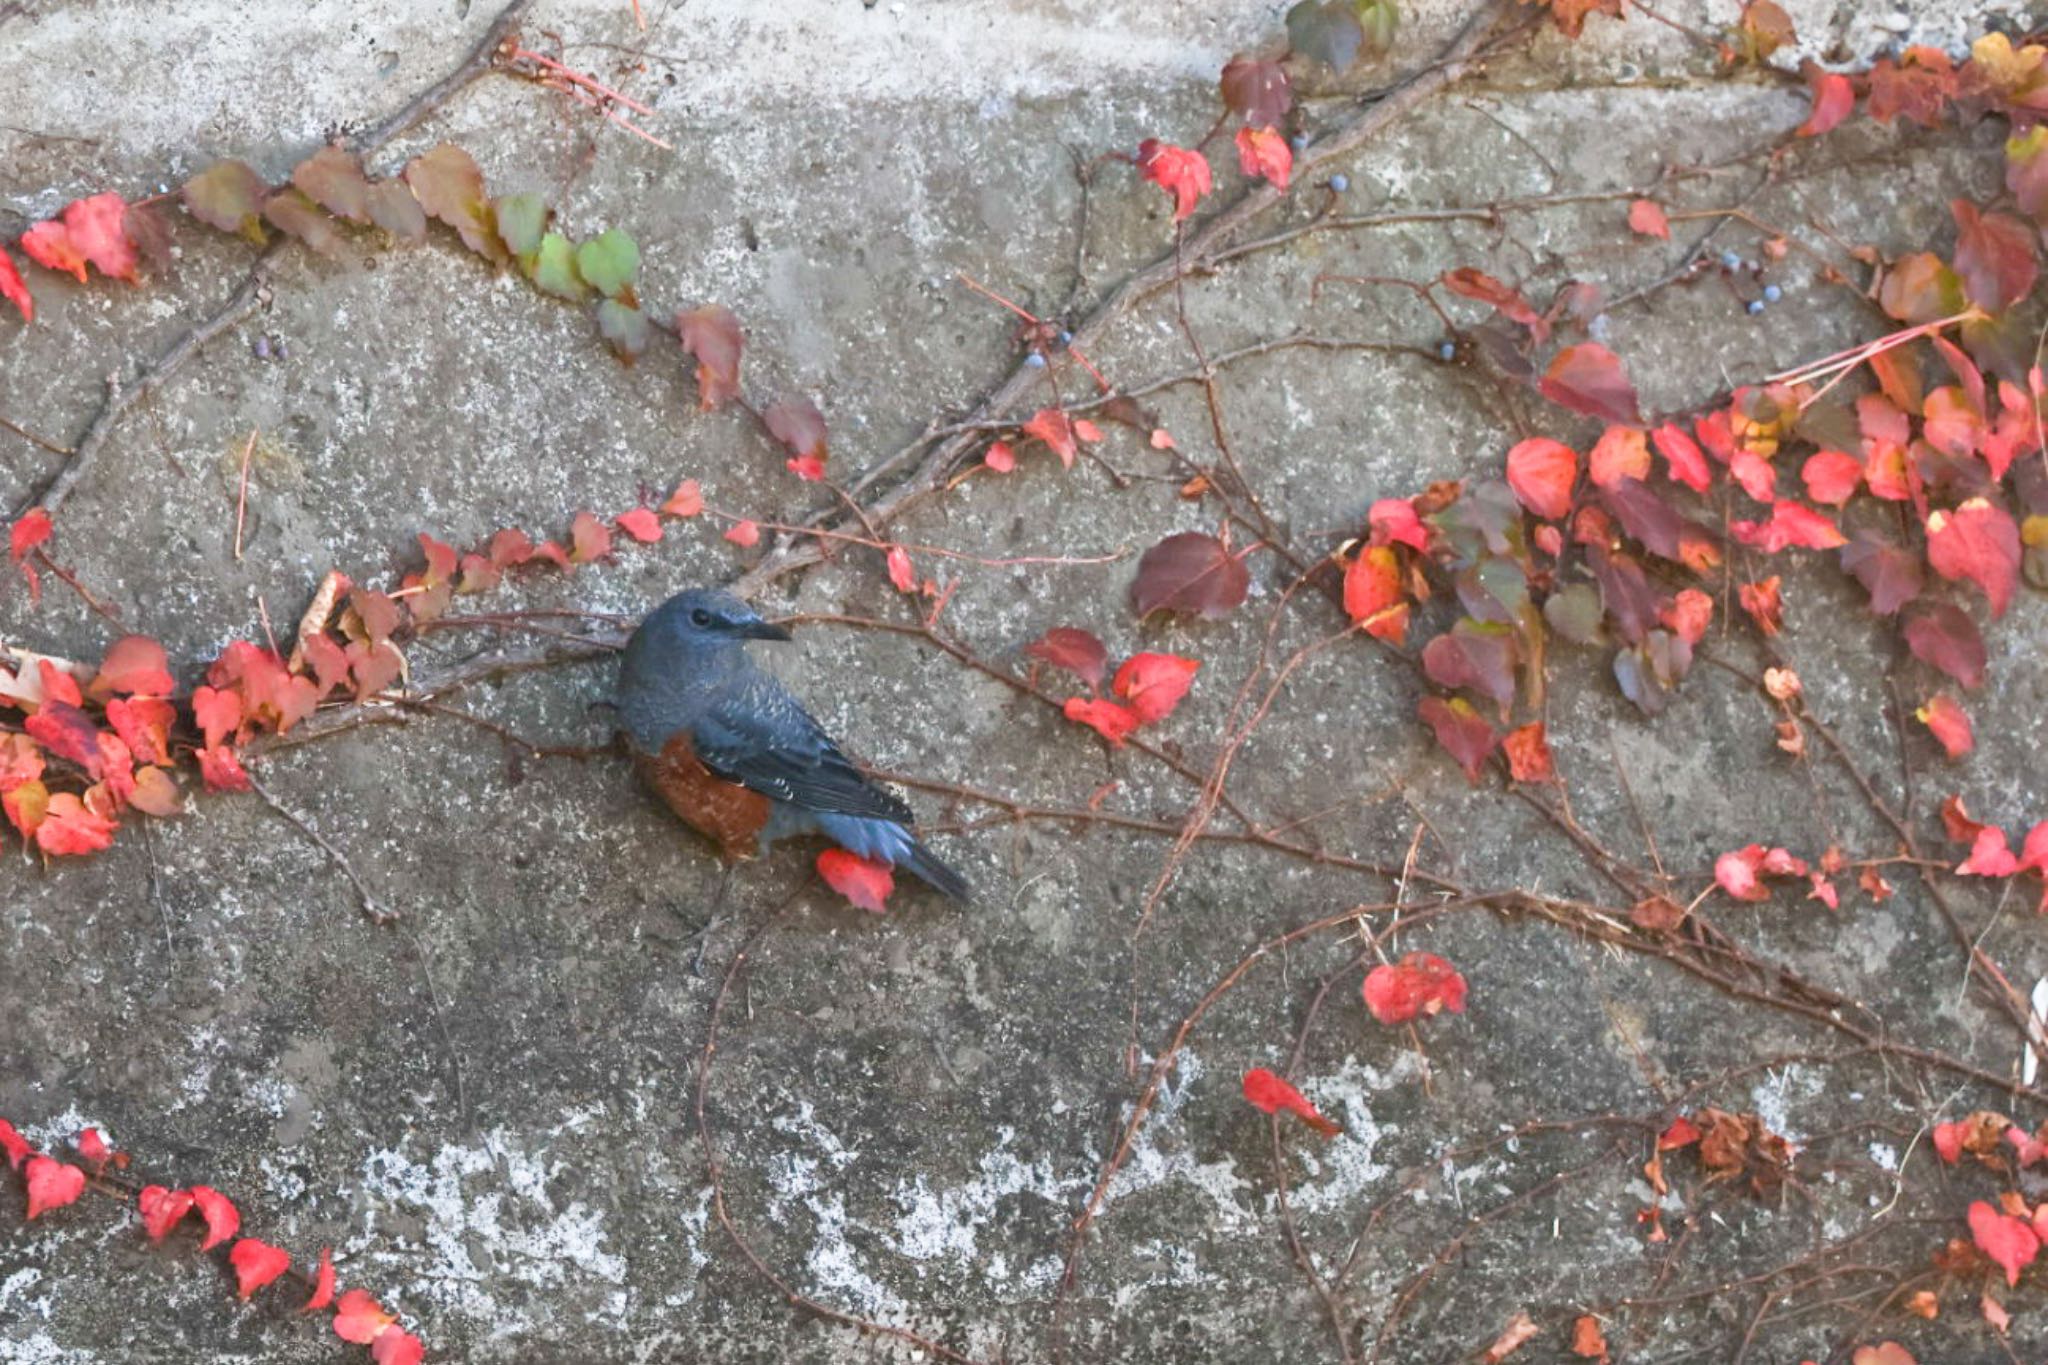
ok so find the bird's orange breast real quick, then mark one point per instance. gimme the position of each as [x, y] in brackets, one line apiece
[725, 812]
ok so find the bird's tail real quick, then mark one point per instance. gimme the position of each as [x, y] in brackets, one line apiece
[926, 867]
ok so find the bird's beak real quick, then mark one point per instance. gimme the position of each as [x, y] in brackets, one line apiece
[757, 629]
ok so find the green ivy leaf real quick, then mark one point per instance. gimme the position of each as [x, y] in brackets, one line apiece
[1379, 20]
[554, 269]
[229, 196]
[1326, 31]
[625, 327]
[609, 261]
[522, 218]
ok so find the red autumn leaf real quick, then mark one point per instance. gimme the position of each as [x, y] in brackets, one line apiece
[1683, 457]
[2034, 849]
[711, 334]
[1945, 716]
[1943, 635]
[217, 712]
[1791, 524]
[1076, 651]
[134, 663]
[1153, 684]
[71, 828]
[51, 1184]
[15, 1145]
[901, 572]
[1112, 720]
[360, 1318]
[1269, 1094]
[14, 289]
[1182, 173]
[745, 533]
[1833, 99]
[1394, 521]
[1419, 984]
[1373, 596]
[1683, 1132]
[1989, 855]
[1528, 753]
[800, 427]
[1831, 476]
[1588, 1341]
[162, 1209]
[68, 733]
[1056, 429]
[1588, 378]
[1472, 283]
[223, 1220]
[1956, 822]
[1884, 1353]
[49, 245]
[1889, 574]
[1620, 454]
[1264, 152]
[1647, 217]
[1462, 731]
[221, 768]
[1688, 614]
[256, 1264]
[323, 1283]
[31, 529]
[1757, 476]
[863, 881]
[449, 186]
[25, 804]
[99, 234]
[1541, 472]
[588, 541]
[1475, 655]
[1736, 873]
[1258, 91]
[1000, 457]
[1978, 541]
[1521, 1329]
[2009, 1241]
[1994, 256]
[58, 684]
[1190, 572]
[686, 501]
[641, 524]
[92, 1147]
[397, 1347]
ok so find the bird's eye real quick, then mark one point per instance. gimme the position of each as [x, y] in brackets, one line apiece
[700, 618]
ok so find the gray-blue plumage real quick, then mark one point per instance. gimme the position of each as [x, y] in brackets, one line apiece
[686, 670]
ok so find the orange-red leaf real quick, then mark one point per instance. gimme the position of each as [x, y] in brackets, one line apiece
[223, 1220]
[1462, 731]
[1990, 856]
[1978, 541]
[360, 1318]
[1621, 453]
[1264, 152]
[1682, 456]
[1419, 984]
[1372, 593]
[1076, 651]
[1112, 720]
[1000, 457]
[70, 827]
[864, 881]
[49, 245]
[323, 1283]
[1541, 472]
[1945, 716]
[1270, 1094]
[221, 769]
[162, 1209]
[133, 664]
[15, 1145]
[30, 529]
[397, 1347]
[98, 232]
[2009, 1241]
[1153, 684]
[1182, 173]
[901, 572]
[256, 1264]
[686, 501]
[1589, 378]
[1647, 217]
[711, 334]
[51, 1184]
[14, 289]
[1833, 98]
[746, 534]
[1528, 753]
[641, 524]
[1056, 429]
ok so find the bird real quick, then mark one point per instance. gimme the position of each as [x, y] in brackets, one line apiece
[737, 757]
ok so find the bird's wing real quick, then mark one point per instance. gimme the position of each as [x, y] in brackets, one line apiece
[761, 738]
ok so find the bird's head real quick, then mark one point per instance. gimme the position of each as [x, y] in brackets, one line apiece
[705, 619]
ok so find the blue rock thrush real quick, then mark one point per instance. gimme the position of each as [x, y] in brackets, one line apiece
[737, 757]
